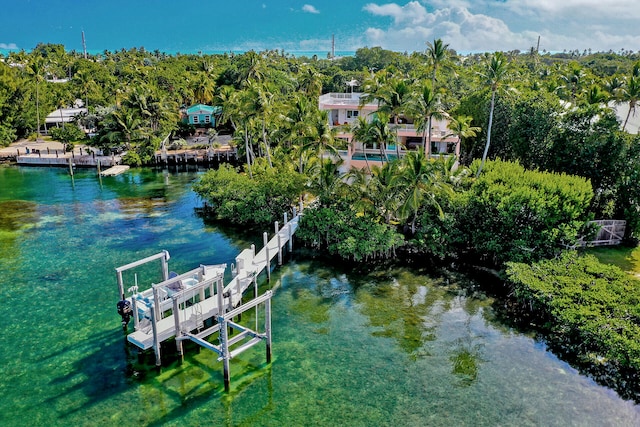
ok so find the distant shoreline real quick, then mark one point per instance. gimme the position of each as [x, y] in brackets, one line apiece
[296, 53]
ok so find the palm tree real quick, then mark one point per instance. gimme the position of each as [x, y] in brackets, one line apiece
[232, 103]
[573, 78]
[438, 54]
[259, 102]
[417, 184]
[376, 132]
[325, 133]
[35, 67]
[496, 71]
[310, 82]
[127, 126]
[204, 88]
[631, 95]
[392, 100]
[460, 127]
[383, 190]
[361, 132]
[424, 106]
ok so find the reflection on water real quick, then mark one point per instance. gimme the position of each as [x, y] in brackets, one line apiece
[390, 347]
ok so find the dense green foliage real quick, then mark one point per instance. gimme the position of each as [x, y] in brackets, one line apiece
[342, 232]
[236, 198]
[513, 214]
[590, 308]
[566, 158]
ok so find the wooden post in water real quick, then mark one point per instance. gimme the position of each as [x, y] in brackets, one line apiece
[156, 340]
[98, 164]
[290, 238]
[277, 226]
[267, 327]
[265, 238]
[176, 317]
[70, 167]
[224, 346]
[120, 284]
[165, 266]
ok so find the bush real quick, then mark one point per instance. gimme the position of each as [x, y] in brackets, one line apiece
[586, 306]
[342, 232]
[238, 199]
[69, 133]
[512, 214]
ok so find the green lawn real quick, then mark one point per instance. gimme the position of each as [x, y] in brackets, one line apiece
[626, 258]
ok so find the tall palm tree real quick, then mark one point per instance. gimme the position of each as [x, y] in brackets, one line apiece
[424, 106]
[631, 95]
[460, 127]
[203, 88]
[573, 79]
[417, 185]
[438, 53]
[383, 190]
[496, 71]
[35, 67]
[309, 82]
[325, 133]
[127, 126]
[377, 132]
[392, 100]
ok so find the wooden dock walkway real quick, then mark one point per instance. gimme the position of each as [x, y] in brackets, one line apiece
[182, 305]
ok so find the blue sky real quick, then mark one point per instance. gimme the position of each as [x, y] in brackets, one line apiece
[213, 25]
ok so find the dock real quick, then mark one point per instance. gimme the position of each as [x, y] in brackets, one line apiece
[197, 304]
[115, 170]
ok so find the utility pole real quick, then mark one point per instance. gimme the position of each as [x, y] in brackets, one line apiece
[84, 45]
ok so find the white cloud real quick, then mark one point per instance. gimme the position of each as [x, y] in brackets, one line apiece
[487, 25]
[8, 46]
[310, 9]
[412, 13]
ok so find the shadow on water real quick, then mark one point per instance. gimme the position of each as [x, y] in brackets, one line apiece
[98, 376]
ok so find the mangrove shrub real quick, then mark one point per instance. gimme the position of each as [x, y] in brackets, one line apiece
[235, 197]
[513, 214]
[592, 309]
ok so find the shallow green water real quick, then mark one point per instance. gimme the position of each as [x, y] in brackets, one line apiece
[389, 348]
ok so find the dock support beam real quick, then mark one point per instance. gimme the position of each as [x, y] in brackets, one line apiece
[277, 227]
[265, 238]
[156, 340]
[267, 323]
[176, 316]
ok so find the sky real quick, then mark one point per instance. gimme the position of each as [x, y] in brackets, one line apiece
[308, 25]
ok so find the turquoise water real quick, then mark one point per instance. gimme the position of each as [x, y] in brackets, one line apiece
[394, 347]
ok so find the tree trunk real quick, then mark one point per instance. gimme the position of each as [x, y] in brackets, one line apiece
[246, 147]
[486, 147]
[631, 107]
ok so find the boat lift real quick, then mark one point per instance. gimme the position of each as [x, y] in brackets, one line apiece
[182, 304]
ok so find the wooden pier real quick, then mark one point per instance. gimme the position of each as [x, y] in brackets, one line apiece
[182, 306]
[196, 156]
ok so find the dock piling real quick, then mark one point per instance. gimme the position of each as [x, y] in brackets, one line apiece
[279, 243]
[265, 238]
[267, 326]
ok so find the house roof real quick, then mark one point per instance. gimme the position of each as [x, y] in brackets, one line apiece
[64, 115]
[202, 108]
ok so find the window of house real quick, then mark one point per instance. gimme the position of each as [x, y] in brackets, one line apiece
[352, 114]
[195, 120]
[207, 119]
